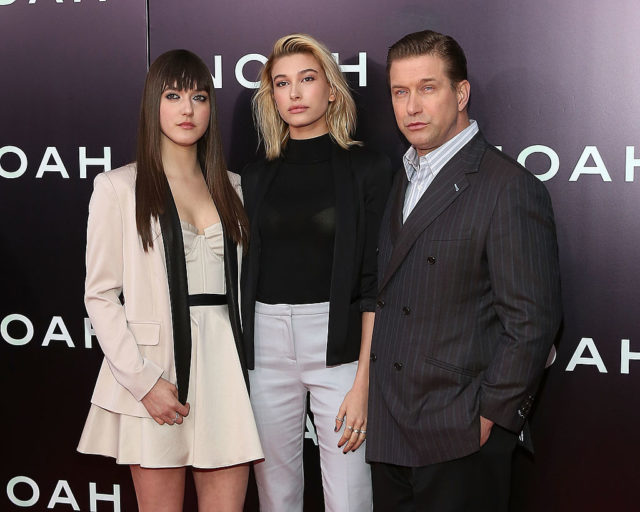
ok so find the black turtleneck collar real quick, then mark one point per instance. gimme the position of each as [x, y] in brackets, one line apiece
[307, 151]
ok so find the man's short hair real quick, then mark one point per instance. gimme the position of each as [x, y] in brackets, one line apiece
[428, 42]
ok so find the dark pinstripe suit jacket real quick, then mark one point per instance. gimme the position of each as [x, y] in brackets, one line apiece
[468, 307]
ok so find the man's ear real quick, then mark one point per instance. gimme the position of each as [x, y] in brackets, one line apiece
[463, 88]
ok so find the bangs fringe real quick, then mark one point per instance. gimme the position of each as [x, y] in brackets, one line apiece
[182, 72]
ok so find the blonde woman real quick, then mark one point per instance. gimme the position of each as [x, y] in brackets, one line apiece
[166, 234]
[315, 204]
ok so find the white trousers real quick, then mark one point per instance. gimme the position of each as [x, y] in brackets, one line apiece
[290, 354]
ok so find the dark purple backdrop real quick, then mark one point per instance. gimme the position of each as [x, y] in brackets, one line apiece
[562, 75]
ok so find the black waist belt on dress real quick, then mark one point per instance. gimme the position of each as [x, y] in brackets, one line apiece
[207, 299]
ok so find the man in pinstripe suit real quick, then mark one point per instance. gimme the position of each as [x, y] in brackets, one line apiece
[469, 298]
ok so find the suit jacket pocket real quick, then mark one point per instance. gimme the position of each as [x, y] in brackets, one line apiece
[451, 367]
[145, 333]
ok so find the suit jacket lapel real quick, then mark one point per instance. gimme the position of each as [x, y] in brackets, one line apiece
[253, 198]
[178, 293]
[231, 282]
[397, 203]
[262, 186]
[448, 185]
[345, 236]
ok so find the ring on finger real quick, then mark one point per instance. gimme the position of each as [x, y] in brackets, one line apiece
[340, 419]
[177, 417]
[356, 431]
[363, 432]
[350, 427]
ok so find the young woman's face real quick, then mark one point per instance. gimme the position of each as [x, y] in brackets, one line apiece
[302, 94]
[184, 116]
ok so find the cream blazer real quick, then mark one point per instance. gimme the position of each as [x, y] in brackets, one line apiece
[137, 336]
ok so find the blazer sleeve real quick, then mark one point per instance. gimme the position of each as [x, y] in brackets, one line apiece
[522, 256]
[377, 180]
[103, 285]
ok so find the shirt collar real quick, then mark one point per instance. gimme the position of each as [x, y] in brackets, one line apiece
[432, 162]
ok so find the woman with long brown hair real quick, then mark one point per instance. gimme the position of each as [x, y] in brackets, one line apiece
[315, 204]
[164, 240]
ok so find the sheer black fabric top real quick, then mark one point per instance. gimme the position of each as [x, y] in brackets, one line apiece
[297, 222]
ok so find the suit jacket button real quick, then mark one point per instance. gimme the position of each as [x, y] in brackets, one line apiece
[380, 303]
[431, 260]
[406, 310]
[373, 357]
[397, 366]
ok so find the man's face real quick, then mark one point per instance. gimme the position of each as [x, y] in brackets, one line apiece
[428, 110]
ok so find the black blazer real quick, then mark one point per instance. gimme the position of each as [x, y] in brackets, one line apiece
[468, 307]
[362, 181]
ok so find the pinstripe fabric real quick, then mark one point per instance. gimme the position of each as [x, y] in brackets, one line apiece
[468, 307]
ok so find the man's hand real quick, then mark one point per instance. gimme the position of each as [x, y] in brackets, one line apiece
[485, 430]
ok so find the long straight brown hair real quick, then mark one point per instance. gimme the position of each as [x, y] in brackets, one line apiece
[181, 70]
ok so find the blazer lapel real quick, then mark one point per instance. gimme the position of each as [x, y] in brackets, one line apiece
[178, 293]
[231, 282]
[397, 204]
[447, 187]
[253, 204]
[345, 236]
[262, 186]
[253, 199]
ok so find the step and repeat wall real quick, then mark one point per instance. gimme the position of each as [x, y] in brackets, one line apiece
[554, 84]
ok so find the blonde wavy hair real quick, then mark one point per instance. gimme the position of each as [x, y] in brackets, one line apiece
[273, 132]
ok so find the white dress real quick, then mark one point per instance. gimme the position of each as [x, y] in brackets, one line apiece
[220, 429]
